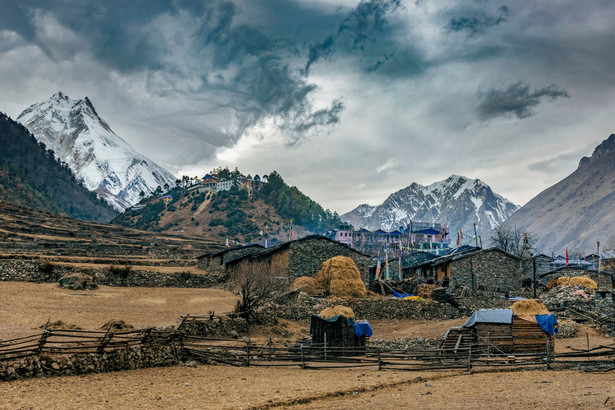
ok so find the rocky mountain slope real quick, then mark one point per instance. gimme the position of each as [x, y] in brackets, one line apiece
[99, 158]
[236, 214]
[578, 211]
[458, 202]
[30, 176]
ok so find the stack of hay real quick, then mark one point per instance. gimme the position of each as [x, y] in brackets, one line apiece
[529, 307]
[425, 290]
[336, 310]
[574, 280]
[338, 277]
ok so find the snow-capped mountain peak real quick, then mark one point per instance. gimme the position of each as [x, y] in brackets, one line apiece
[98, 157]
[458, 201]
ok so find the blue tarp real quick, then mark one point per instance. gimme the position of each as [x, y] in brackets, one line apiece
[548, 323]
[490, 316]
[400, 295]
[516, 298]
[362, 329]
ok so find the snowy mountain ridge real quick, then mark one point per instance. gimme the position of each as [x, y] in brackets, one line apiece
[457, 201]
[98, 157]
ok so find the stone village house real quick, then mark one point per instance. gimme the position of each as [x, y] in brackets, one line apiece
[301, 257]
[487, 269]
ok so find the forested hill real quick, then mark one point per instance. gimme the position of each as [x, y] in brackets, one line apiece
[30, 176]
[236, 214]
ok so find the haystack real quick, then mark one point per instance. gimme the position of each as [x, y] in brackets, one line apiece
[59, 325]
[529, 307]
[425, 290]
[574, 280]
[336, 310]
[339, 277]
[307, 285]
[115, 325]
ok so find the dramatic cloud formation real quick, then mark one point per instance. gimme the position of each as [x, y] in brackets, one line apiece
[348, 99]
[516, 100]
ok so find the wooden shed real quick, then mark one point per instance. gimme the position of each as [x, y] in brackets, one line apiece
[498, 331]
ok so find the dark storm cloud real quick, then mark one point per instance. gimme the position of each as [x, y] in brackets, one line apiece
[250, 70]
[478, 21]
[368, 35]
[515, 101]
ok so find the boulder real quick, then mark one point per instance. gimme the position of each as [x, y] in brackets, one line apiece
[77, 281]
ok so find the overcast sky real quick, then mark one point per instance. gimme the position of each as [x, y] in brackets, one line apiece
[348, 100]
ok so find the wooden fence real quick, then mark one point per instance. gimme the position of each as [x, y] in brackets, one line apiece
[236, 352]
[53, 342]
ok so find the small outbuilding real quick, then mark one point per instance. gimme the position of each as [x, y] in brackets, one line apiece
[501, 331]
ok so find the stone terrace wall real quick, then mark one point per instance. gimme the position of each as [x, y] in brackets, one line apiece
[306, 257]
[36, 270]
[491, 270]
[135, 357]
[603, 279]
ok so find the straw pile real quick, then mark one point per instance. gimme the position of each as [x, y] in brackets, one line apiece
[575, 280]
[529, 307]
[337, 310]
[339, 277]
[114, 325]
[59, 325]
[425, 290]
[307, 285]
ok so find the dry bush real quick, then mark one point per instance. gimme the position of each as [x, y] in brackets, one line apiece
[255, 286]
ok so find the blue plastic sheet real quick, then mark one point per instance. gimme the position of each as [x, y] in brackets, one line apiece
[400, 295]
[548, 323]
[362, 329]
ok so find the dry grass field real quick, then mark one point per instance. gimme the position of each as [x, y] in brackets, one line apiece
[26, 306]
[222, 387]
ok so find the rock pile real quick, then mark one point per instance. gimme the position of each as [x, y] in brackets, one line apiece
[562, 295]
[77, 281]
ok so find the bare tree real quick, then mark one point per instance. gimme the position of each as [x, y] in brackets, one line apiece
[511, 240]
[254, 285]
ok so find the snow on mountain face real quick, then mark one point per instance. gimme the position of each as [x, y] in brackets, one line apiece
[458, 202]
[100, 159]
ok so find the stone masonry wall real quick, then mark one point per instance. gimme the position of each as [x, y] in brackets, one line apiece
[134, 357]
[36, 270]
[307, 257]
[486, 270]
[604, 280]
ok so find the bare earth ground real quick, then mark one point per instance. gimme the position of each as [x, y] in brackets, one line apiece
[221, 387]
[26, 306]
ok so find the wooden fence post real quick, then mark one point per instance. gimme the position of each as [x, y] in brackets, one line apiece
[469, 359]
[302, 358]
[589, 358]
[247, 354]
[42, 341]
[379, 359]
[548, 354]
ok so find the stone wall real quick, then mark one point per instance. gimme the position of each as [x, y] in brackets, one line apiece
[603, 279]
[37, 270]
[487, 270]
[209, 261]
[306, 257]
[135, 357]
